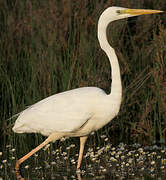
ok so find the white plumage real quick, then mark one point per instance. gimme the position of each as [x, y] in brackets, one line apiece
[68, 113]
[80, 111]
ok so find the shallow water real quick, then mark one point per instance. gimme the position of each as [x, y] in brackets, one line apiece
[106, 162]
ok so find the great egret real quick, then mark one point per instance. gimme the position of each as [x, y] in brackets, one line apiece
[78, 112]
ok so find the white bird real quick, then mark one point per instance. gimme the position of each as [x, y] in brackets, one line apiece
[78, 112]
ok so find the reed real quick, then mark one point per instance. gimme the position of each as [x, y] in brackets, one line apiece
[49, 47]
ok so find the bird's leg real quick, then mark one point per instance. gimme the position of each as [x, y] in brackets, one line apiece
[82, 145]
[27, 156]
[52, 137]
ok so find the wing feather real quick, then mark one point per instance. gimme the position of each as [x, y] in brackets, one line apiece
[63, 112]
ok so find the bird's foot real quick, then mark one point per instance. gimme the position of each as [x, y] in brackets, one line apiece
[18, 173]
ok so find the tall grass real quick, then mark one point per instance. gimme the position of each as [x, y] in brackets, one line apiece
[51, 46]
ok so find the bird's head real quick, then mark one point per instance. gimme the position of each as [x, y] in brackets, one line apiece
[115, 13]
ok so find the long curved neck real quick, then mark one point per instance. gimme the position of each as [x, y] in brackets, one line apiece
[116, 86]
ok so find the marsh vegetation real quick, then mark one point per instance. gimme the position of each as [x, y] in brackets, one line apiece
[51, 46]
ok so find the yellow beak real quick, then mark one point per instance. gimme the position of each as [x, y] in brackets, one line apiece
[139, 11]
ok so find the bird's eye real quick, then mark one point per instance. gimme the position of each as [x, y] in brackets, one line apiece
[119, 11]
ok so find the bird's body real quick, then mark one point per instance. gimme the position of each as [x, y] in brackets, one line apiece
[76, 112]
[80, 111]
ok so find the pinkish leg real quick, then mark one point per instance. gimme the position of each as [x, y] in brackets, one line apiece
[52, 137]
[82, 145]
